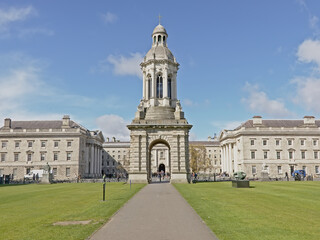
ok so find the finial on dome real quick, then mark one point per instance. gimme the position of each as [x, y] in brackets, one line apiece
[160, 19]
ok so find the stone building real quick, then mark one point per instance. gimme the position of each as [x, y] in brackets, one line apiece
[159, 118]
[116, 156]
[70, 149]
[276, 146]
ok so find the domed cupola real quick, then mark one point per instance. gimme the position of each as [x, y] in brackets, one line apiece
[159, 69]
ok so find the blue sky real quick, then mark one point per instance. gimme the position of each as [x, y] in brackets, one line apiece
[237, 59]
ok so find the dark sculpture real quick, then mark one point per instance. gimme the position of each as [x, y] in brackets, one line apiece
[239, 175]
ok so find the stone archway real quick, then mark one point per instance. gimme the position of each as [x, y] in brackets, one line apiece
[156, 164]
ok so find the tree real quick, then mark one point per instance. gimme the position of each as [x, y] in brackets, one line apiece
[198, 158]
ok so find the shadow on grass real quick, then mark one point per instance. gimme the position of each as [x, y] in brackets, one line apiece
[11, 185]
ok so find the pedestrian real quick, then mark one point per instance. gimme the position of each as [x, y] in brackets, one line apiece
[159, 175]
[37, 177]
[287, 177]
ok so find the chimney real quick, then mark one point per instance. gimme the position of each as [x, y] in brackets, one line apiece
[7, 123]
[66, 121]
[113, 139]
[309, 120]
[209, 138]
[257, 120]
[108, 139]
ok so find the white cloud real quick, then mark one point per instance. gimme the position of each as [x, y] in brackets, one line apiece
[113, 126]
[109, 17]
[13, 14]
[309, 52]
[258, 102]
[228, 125]
[126, 65]
[308, 92]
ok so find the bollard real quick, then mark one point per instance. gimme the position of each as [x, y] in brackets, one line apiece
[130, 184]
[104, 192]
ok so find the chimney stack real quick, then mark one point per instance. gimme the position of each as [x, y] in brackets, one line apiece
[7, 123]
[66, 121]
[108, 139]
[257, 120]
[209, 138]
[113, 139]
[309, 120]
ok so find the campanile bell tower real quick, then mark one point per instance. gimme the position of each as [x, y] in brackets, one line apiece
[159, 118]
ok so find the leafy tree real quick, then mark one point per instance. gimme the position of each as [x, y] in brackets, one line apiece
[198, 158]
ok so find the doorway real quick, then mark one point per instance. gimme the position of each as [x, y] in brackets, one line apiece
[162, 167]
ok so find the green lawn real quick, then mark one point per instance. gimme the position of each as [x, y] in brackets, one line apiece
[28, 211]
[269, 210]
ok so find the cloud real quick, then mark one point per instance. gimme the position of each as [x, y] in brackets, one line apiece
[113, 126]
[126, 65]
[109, 17]
[309, 52]
[307, 92]
[229, 125]
[8, 16]
[313, 20]
[258, 102]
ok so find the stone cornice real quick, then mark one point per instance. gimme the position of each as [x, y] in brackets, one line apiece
[161, 61]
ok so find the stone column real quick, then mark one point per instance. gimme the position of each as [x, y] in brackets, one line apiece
[144, 85]
[230, 159]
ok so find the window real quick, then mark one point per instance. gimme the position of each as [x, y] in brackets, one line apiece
[161, 154]
[279, 170]
[107, 163]
[264, 142]
[267, 169]
[54, 171]
[317, 169]
[42, 157]
[67, 172]
[3, 157]
[278, 155]
[315, 142]
[315, 153]
[253, 155]
[119, 156]
[17, 144]
[68, 144]
[159, 39]
[29, 144]
[113, 163]
[289, 142]
[16, 157]
[290, 155]
[209, 155]
[154, 39]
[28, 170]
[4, 144]
[303, 155]
[215, 162]
[252, 142]
[29, 158]
[254, 170]
[43, 144]
[56, 144]
[68, 156]
[265, 154]
[55, 156]
[302, 142]
[277, 142]
[215, 156]
[169, 87]
[159, 87]
[1, 172]
[164, 39]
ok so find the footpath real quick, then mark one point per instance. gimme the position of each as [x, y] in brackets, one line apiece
[157, 212]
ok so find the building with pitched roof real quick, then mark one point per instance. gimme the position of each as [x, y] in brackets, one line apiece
[70, 149]
[275, 146]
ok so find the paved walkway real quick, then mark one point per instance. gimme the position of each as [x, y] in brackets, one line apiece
[157, 212]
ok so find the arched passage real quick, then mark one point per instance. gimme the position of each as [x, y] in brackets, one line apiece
[158, 159]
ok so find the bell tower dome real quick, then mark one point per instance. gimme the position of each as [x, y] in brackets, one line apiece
[159, 67]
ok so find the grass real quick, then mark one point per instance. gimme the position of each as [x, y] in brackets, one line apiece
[268, 210]
[28, 211]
